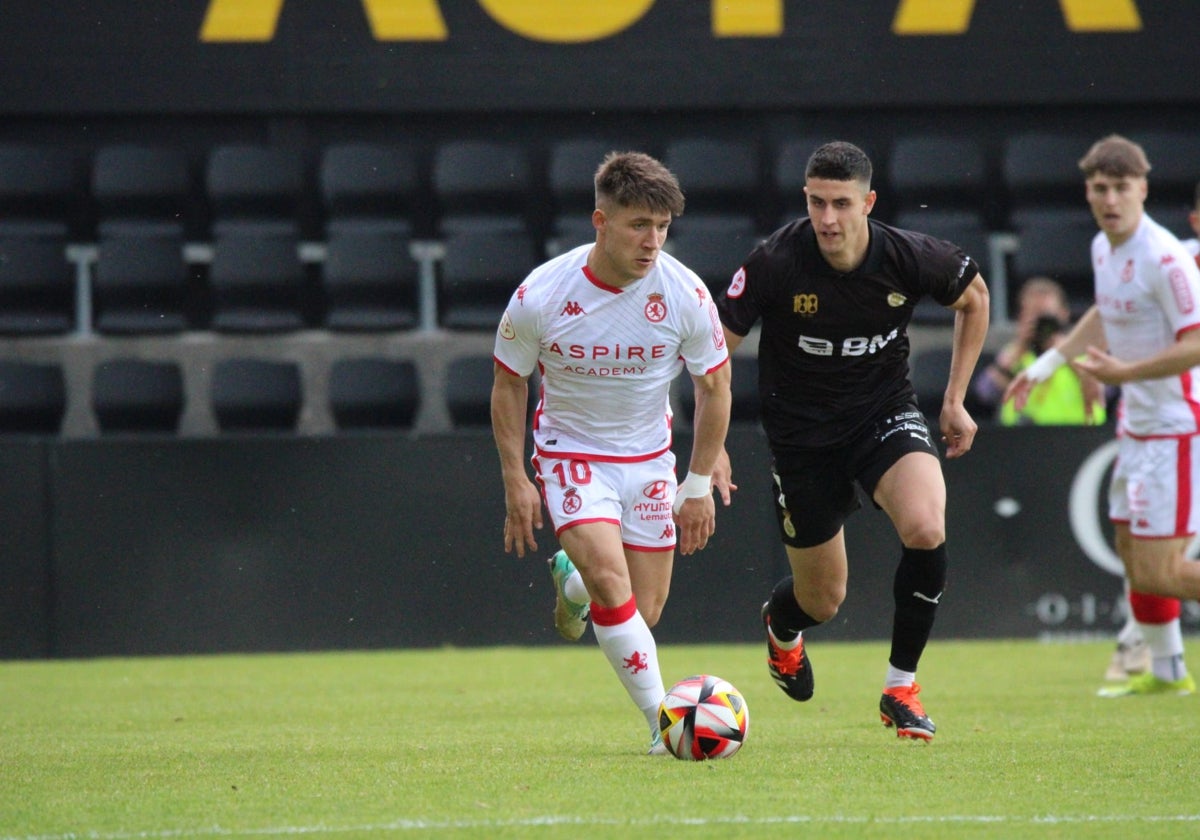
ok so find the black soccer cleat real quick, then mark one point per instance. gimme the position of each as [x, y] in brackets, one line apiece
[790, 669]
[899, 707]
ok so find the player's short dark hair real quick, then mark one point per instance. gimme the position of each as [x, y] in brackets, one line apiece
[634, 179]
[839, 161]
[1116, 157]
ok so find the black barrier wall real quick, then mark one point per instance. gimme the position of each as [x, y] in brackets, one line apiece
[155, 547]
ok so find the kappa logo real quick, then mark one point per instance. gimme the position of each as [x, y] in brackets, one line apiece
[573, 308]
[668, 533]
[805, 304]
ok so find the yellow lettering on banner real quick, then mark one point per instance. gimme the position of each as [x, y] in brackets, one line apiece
[566, 21]
[240, 20]
[933, 17]
[952, 17]
[406, 20]
[1101, 15]
[747, 18]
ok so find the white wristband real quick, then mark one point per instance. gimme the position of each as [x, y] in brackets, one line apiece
[693, 487]
[1044, 366]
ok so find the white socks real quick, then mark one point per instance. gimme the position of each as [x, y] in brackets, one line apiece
[1166, 649]
[626, 640]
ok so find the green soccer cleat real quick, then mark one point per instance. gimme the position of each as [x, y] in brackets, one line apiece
[570, 619]
[657, 747]
[1147, 683]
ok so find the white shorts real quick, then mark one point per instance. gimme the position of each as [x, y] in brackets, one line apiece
[636, 496]
[1156, 486]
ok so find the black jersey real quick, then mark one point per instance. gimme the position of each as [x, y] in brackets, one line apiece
[833, 351]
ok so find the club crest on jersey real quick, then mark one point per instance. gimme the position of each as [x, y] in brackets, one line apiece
[571, 502]
[656, 310]
[895, 299]
[805, 304]
[507, 331]
[738, 284]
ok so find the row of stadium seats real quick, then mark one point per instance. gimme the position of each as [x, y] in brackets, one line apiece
[248, 393]
[431, 193]
[389, 237]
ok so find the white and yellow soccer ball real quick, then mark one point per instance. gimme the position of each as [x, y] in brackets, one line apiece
[703, 717]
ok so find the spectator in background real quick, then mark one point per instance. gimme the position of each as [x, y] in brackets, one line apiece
[1066, 398]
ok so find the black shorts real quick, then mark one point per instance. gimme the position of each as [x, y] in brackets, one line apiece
[814, 490]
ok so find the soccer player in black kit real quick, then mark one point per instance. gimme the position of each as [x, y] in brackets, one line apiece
[834, 293]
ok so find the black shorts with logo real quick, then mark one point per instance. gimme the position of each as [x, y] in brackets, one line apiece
[814, 489]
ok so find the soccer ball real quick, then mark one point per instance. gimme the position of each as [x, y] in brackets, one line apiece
[703, 717]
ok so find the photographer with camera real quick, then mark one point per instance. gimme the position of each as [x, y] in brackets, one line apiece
[1066, 398]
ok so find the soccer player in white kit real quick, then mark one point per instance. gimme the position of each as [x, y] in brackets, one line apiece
[1147, 314]
[609, 325]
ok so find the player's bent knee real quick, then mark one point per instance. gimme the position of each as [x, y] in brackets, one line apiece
[926, 536]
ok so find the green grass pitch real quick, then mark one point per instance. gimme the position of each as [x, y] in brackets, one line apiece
[542, 743]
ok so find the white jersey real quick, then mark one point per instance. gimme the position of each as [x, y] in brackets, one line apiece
[1148, 293]
[1193, 248]
[607, 355]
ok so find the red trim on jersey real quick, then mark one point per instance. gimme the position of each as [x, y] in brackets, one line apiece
[1183, 485]
[1153, 609]
[507, 368]
[1180, 436]
[1187, 383]
[717, 367]
[596, 281]
[608, 459]
[612, 616]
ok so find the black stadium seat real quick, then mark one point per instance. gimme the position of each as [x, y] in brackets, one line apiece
[370, 281]
[37, 287]
[33, 397]
[254, 189]
[479, 274]
[137, 395]
[482, 185]
[144, 190]
[257, 283]
[140, 284]
[250, 394]
[374, 393]
[368, 188]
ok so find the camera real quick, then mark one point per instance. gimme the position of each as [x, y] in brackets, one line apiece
[1044, 330]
